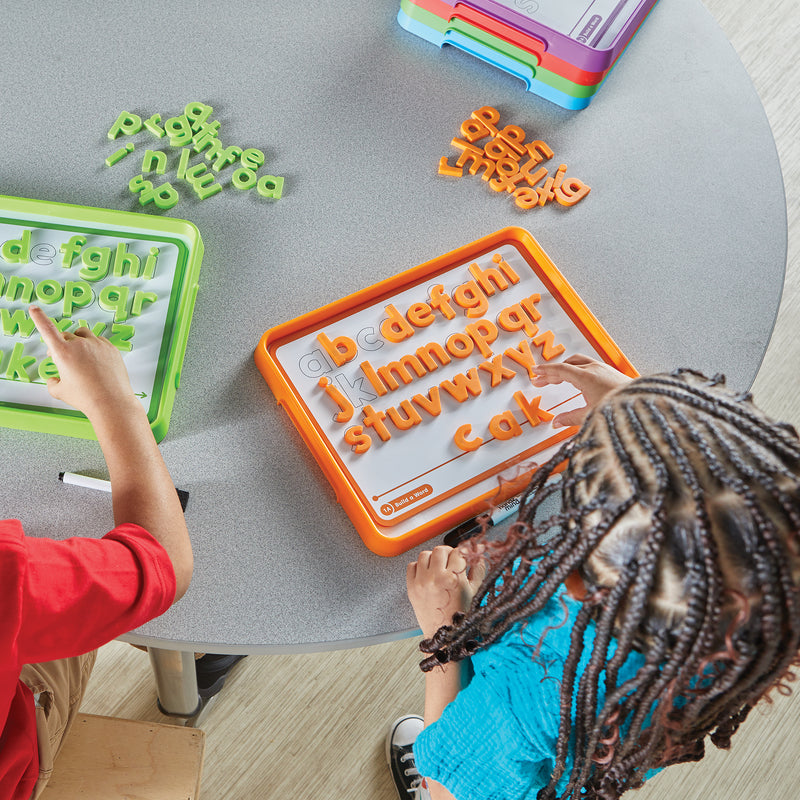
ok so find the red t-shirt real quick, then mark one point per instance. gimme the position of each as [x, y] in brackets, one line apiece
[61, 599]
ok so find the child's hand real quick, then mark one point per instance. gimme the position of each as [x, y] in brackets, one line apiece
[92, 374]
[594, 379]
[440, 584]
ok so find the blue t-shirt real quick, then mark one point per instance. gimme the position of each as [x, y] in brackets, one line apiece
[497, 739]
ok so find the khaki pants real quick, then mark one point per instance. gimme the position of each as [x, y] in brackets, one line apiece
[58, 687]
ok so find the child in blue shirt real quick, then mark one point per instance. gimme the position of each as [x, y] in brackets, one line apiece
[606, 641]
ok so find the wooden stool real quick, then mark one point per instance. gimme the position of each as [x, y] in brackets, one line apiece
[106, 758]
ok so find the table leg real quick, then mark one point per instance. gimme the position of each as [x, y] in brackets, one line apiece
[176, 682]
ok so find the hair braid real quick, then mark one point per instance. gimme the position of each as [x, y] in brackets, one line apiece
[567, 683]
[612, 602]
[711, 575]
[775, 603]
[658, 527]
[778, 590]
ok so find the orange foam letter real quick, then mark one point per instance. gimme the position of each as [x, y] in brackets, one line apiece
[430, 402]
[483, 333]
[342, 349]
[467, 445]
[531, 409]
[395, 327]
[571, 191]
[546, 342]
[504, 426]
[515, 318]
[523, 356]
[374, 419]
[357, 439]
[347, 408]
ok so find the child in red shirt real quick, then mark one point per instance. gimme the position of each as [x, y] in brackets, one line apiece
[63, 599]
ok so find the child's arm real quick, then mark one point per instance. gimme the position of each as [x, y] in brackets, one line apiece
[593, 378]
[94, 380]
[440, 584]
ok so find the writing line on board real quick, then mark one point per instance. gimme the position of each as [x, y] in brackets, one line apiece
[461, 455]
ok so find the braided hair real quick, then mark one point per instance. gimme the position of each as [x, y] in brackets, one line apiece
[680, 510]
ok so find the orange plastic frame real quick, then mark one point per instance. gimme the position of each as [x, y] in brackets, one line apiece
[466, 499]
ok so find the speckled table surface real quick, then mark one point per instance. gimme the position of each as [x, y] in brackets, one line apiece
[679, 250]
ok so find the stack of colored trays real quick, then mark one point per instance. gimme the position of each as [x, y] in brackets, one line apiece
[562, 49]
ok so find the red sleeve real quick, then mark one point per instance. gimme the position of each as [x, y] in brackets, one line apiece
[80, 593]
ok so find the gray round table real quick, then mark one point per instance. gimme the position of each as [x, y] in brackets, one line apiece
[679, 250]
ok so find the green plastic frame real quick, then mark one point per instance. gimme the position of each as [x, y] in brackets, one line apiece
[128, 226]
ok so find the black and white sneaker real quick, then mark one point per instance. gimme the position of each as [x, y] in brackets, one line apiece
[409, 783]
[212, 672]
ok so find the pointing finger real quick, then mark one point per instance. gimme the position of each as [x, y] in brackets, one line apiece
[46, 327]
[547, 374]
[570, 418]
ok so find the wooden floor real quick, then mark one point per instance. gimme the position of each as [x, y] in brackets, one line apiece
[312, 726]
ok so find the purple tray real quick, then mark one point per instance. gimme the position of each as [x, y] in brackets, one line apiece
[590, 34]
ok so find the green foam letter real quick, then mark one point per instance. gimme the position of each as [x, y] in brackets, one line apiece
[115, 298]
[95, 260]
[77, 294]
[17, 251]
[126, 123]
